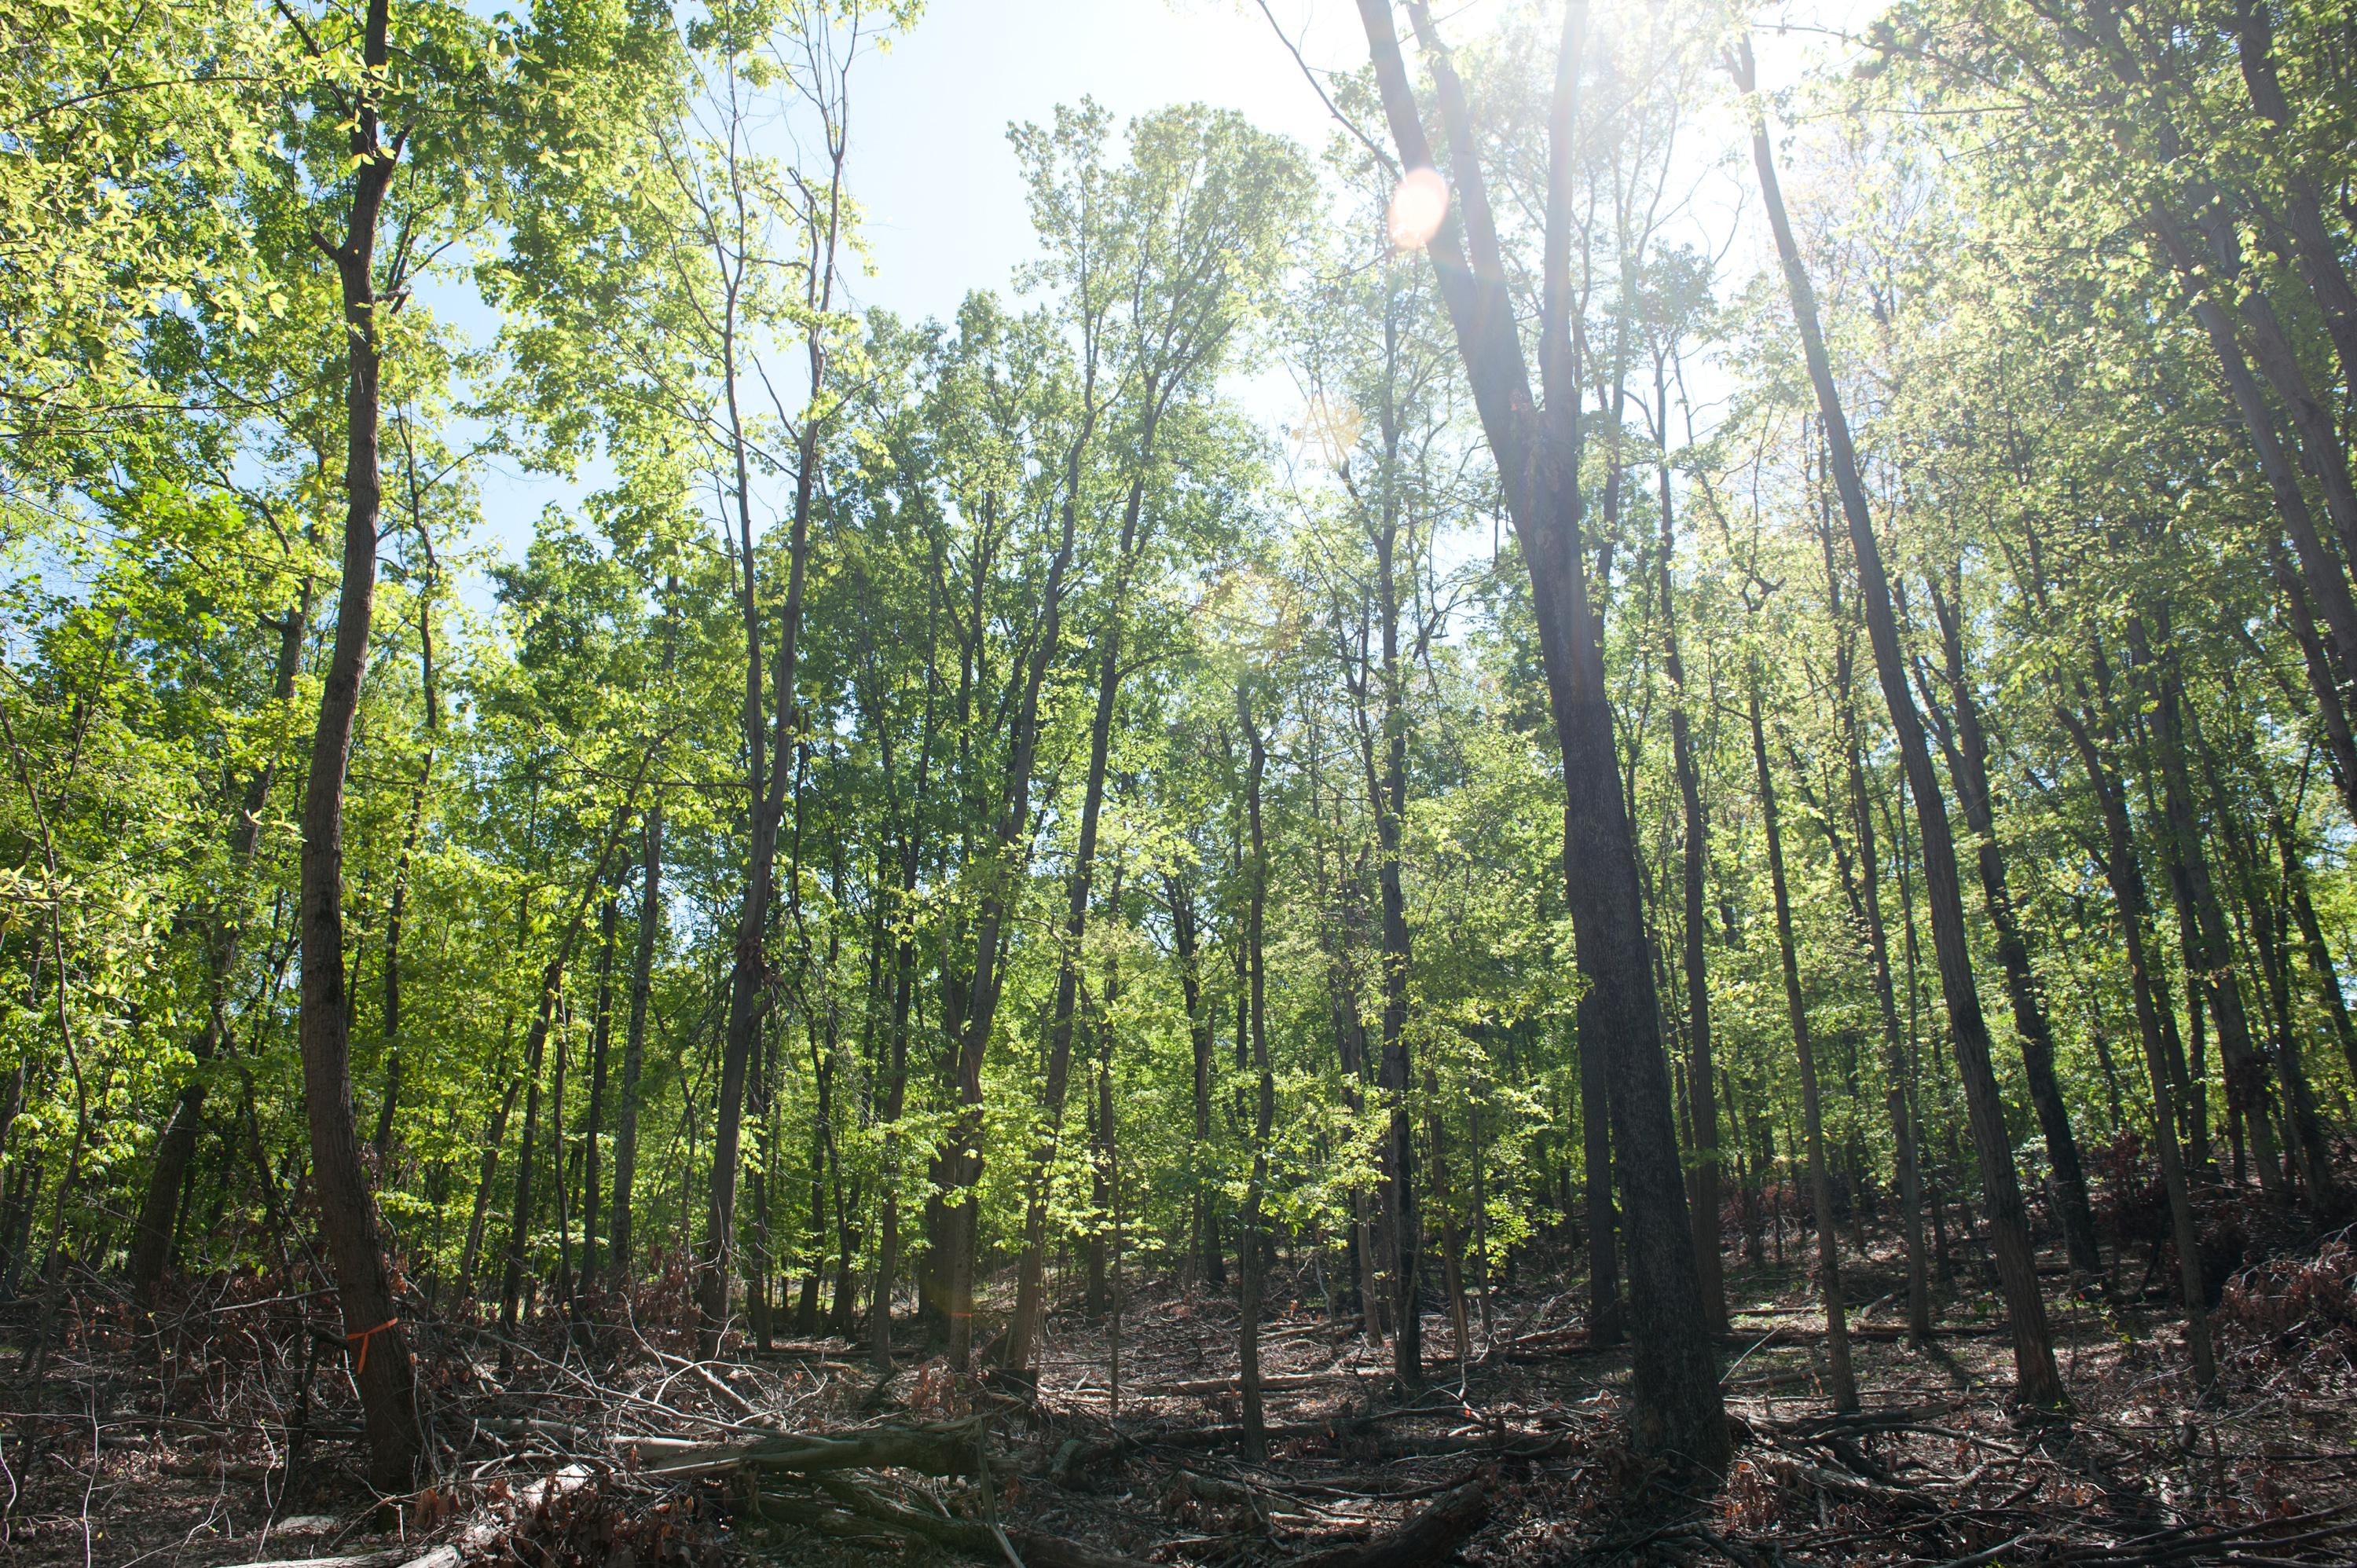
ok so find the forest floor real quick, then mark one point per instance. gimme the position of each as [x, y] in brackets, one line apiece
[224, 1432]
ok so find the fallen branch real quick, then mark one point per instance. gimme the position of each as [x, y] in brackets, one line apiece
[854, 1512]
[1427, 1538]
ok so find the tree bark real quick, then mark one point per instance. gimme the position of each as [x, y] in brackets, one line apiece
[347, 1204]
[1676, 1407]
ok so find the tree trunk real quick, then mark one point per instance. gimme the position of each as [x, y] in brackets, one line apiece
[1184, 939]
[1677, 1408]
[634, 1046]
[1966, 745]
[594, 1115]
[395, 918]
[1024, 1328]
[2038, 1380]
[1842, 1379]
[1249, 1249]
[2123, 872]
[2210, 952]
[177, 1143]
[1702, 1074]
[1897, 1069]
[346, 1205]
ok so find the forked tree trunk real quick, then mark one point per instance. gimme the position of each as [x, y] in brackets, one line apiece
[1676, 1407]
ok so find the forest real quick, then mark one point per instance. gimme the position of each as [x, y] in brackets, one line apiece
[1610, 821]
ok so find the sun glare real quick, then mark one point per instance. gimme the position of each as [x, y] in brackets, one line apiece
[1417, 208]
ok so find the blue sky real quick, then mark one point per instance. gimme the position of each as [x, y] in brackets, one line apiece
[931, 167]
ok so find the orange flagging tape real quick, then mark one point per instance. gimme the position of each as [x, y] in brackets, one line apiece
[362, 1339]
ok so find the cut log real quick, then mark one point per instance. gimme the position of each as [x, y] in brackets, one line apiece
[1431, 1536]
[933, 1451]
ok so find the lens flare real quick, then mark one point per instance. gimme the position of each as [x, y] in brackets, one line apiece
[1417, 208]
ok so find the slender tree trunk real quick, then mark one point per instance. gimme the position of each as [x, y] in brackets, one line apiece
[177, 1143]
[2038, 1380]
[1897, 1069]
[1604, 1321]
[395, 920]
[1842, 1379]
[594, 1115]
[2209, 952]
[495, 1134]
[551, 986]
[634, 1047]
[1695, 861]
[1187, 944]
[346, 1205]
[1965, 743]
[1250, 1255]
[2125, 875]
[1024, 1329]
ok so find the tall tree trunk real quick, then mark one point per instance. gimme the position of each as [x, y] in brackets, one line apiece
[551, 986]
[1250, 1255]
[1604, 1320]
[2125, 873]
[1702, 1073]
[1897, 1069]
[767, 773]
[1024, 1328]
[396, 916]
[1676, 1407]
[2038, 1380]
[1966, 745]
[980, 1001]
[2210, 950]
[594, 1115]
[346, 1205]
[495, 1132]
[634, 1046]
[1187, 945]
[904, 985]
[1841, 1378]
